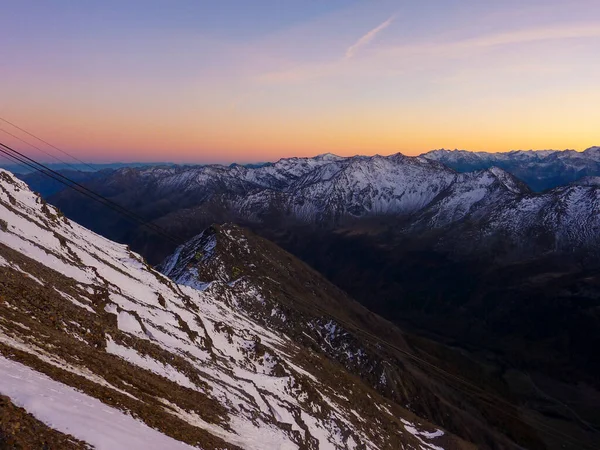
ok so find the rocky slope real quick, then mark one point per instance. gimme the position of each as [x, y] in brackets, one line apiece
[98, 348]
[301, 304]
[349, 188]
[491, 212]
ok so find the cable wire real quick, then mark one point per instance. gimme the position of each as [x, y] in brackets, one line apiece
[9, 151]
[14, 162]
[47, 143]
[45, 152]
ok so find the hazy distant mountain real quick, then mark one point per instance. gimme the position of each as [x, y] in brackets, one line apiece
[541, 170]
[81, 167]
[46, 186]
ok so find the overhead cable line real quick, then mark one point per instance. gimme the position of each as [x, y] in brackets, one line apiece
[47, 143]
[45, 152]
[14, 162]
[37, 166]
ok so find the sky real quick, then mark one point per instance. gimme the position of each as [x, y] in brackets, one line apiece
[223, 81]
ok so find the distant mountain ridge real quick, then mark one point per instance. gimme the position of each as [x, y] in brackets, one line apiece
[540, 169]
[82, 167]
[330, 191]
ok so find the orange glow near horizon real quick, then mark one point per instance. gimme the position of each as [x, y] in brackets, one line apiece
[216, 139]
[360, 79]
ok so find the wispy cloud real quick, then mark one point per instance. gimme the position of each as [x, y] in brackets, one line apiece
[417, 55]
[368, 37]
[564, 32]
[311, 71]
[577, 31]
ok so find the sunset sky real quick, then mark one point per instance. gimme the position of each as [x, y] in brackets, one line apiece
[222, 81]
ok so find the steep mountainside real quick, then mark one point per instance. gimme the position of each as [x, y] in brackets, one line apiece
[541, 170]
[352, 188]
[490, 212]
[301, 304]
[97, 345]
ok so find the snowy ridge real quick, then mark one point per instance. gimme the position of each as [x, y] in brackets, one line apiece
[487, 200]
[324, 188]
[273, 289]
[541, 170]
[331, 189]
[482, 206]
[468, 195]
[183, 361]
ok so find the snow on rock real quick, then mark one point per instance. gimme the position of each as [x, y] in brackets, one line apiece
[356, 187]
[72, 412]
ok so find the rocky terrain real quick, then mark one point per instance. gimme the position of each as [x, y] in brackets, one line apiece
[99, 349]
[300, 303]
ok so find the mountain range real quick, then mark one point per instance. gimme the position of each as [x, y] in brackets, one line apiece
[488, 210]
[479, 265]
[236, 344]
[541, 170]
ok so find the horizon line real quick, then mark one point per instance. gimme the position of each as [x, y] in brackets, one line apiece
[253, 162]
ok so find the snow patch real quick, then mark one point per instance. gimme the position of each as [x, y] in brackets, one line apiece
[72, 412]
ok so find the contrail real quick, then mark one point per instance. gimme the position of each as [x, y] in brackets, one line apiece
[364, 40]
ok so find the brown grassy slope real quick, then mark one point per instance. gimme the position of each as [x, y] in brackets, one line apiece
[308, 302]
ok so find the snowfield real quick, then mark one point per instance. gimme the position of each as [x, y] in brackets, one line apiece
[72, 412]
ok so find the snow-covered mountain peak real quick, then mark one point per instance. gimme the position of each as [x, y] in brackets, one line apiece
[329, 157]
[509, 181]
[592, 153]
[540, 169]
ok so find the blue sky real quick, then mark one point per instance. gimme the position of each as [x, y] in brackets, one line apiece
[237, 80]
